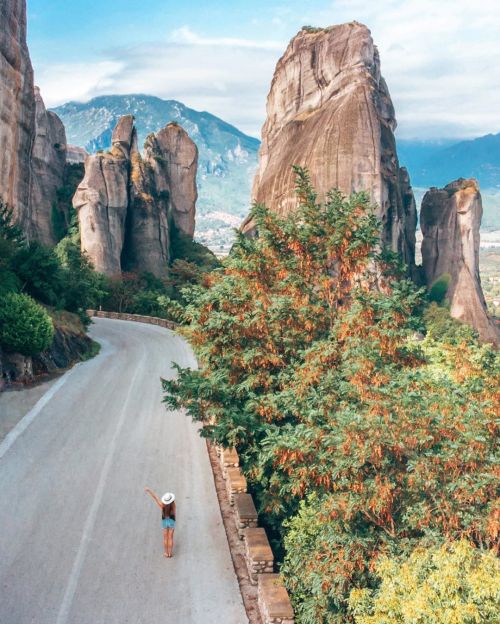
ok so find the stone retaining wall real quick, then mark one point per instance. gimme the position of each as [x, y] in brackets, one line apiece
[273, 599]
[123, 316]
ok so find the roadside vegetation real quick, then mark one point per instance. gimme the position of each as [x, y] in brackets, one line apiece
[363, 414]
[45, 287]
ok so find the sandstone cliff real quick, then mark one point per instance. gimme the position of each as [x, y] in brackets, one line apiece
[102, 200]
[174, 159]
[329, 110]
[48, 160]
[450, 219]
[17, 109]
[126, 203]
[32, 140]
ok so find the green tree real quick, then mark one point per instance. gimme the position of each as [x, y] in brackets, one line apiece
[451, 584]
[25, 327]
[39, 271]
[11, 240]
[357, 439]
[83, 287]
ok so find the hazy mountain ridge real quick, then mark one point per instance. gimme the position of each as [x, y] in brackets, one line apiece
[227, 156]
[435, 163]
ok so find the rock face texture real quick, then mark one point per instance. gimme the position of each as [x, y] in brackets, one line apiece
[102, 200]
[450, 220]
[17, 109]
[127, 203]
[32, 140]
[174, 159]
[329, 110]
[75, 154]
[48, 160]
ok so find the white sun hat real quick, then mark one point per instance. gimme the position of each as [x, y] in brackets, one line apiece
[168, 498]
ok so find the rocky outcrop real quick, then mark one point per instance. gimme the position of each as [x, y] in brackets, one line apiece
[32, 140]
[102, 200]
[450, 219]
[17, 109]
[329, 110]
[75, 155]
[68, 346]
[126, 203]
[148, 231]
[48, 160]
[174, 160]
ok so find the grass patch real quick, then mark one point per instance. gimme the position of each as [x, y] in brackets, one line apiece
[93, 350]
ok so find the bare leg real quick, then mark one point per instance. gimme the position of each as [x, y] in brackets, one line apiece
[165, 542]
[170, 541]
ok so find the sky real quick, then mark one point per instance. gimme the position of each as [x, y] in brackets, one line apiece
[440, 58]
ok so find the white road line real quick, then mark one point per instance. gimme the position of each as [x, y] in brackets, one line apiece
[74, 576]
[26, 420]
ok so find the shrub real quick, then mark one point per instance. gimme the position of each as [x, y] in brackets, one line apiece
[185, 248]
[452, 584]
[25, 327]
[39, 271]
[439, 288]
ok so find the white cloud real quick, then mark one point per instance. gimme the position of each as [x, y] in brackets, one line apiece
[441, 61]
[62, 82]
[186, 36]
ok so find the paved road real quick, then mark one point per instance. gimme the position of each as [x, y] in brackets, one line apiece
[80, 541]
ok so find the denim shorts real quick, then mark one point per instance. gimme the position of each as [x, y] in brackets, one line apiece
[168, 523]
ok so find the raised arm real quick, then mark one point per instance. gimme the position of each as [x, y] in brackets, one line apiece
[154, 497]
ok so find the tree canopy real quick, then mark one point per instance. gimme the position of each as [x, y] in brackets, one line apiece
[360, 436]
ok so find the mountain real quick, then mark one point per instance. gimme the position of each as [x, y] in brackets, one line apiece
[435, 163]
[227, 157]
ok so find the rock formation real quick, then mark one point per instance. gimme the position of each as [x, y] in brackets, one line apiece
[450, 219]
[126, 203]
[174, 159]
[17, 109]
[329, 110]
[75, 154]
[102, 200]
[32, 140]
[48, 160]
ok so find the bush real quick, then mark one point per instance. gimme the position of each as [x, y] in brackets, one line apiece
[439, 288]
[453, 584]
[185, 248]
[25, 327]
[39, 271]
[83, 287]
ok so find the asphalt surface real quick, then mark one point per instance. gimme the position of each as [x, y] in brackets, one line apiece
[80, 541]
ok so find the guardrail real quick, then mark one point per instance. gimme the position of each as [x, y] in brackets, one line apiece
[273, 600]
[123, 316]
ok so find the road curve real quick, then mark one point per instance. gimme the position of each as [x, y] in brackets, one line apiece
[80, 541]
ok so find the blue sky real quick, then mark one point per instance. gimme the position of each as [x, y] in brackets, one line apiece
[440, 58]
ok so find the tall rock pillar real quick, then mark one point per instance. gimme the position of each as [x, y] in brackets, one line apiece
[329, 110]
[450, 219]
[17, 110]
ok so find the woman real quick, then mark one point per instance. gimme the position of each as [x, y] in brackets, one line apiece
[167, 506]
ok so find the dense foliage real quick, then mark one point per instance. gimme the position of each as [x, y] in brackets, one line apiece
[451, 584]
[25, 327]
[358, 438]
[63, 278]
